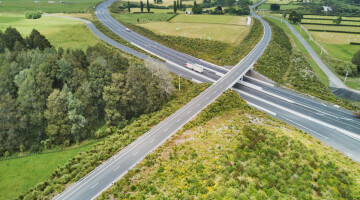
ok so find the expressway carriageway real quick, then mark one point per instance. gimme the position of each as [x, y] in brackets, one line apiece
[113, 169]
[310, 115]
[102, 177]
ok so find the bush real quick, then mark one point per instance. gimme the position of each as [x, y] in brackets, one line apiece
[34, 148]
[33, 14]
[197, 9]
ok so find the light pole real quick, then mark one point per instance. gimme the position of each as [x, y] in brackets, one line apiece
[347, 73]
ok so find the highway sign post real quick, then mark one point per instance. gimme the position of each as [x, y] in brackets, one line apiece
[347, 73]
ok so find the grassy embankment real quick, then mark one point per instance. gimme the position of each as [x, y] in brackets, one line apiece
[19, 175]
[221, 53]
[294, 68]
[71, 6]
[61, 32]
[233, 151]
[83, 163]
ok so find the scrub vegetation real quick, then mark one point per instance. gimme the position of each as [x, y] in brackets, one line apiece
[84, 162]
[232, 151]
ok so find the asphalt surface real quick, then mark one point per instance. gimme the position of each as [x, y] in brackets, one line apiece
[330, 124]
[114, 168]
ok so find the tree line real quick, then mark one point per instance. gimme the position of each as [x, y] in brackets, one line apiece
[54, 96]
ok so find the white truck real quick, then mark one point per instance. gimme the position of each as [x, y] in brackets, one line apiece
[195, 67]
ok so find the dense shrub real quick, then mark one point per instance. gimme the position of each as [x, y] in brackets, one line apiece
[35, 14]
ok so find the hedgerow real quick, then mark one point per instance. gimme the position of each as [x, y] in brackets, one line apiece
[85, 162]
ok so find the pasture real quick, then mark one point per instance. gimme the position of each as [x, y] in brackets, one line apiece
[167, 2]
[68, 6]
[142, 17]
[282, 7]
[314, 21]
[61, 32]
[278, 1]
[21, 174]
[230, 29]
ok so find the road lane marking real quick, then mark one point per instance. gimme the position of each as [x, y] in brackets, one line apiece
[94, 185]
[135, 153]
[178, 120]
[152, 141]
[117, 168]
[166, 129]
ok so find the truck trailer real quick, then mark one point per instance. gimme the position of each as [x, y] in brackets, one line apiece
[195, 67]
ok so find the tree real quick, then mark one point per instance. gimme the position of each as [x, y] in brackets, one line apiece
[64, 70]
[2, 43]
[75, 114]
[197, 9]
[181, 6]
[194, 3]
[356, 60]
[175, 7]
[177, 4]
[11, 133]
[11, 36]
[148, 5]
[99, 77]
[160, 71]
[58, 128]
[275, 7]
[295, 17]
[128, 6]
[338, 20]
[284, 15]
[141, 6]
[116, 97]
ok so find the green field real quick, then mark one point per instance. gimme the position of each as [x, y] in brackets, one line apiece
[230, 29]
[19, 175]
[210, 19]
[282, 7]
[167, 2]
[330, 17]
[61, 32]
[279, 1]
[142, 17]
[43, 5]
[314, 21]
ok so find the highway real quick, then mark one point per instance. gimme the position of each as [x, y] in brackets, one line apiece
[114, 168]
[334, 126]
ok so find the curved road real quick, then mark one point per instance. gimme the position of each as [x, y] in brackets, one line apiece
[113, 169]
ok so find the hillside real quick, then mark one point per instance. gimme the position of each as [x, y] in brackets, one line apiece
[234, 151]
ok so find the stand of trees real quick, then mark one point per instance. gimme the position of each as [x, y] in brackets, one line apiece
[56, 97]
